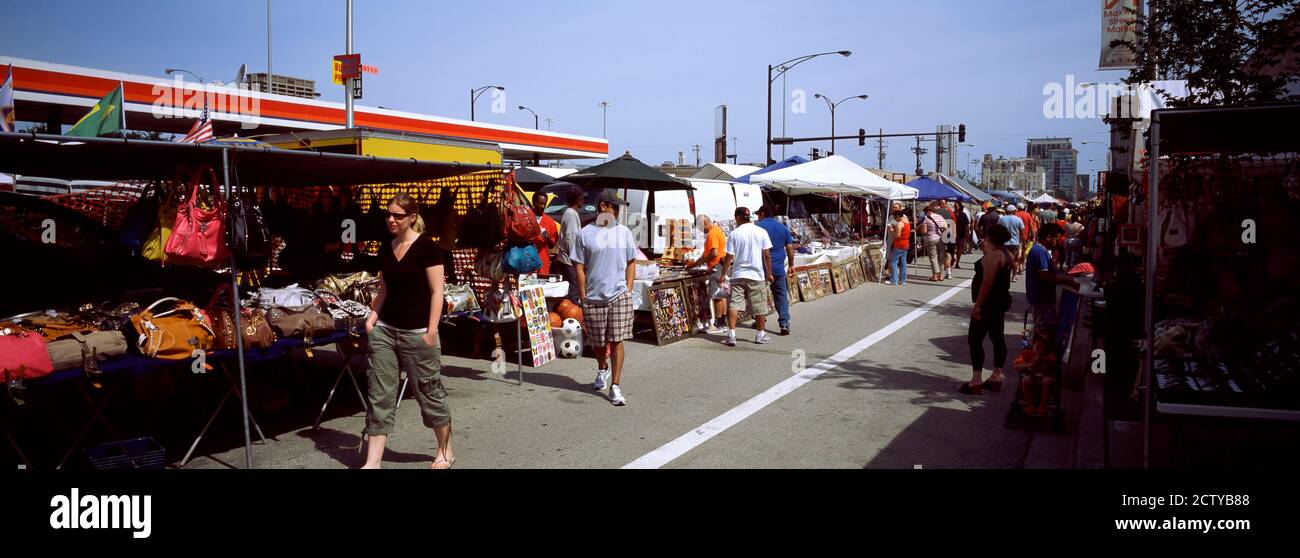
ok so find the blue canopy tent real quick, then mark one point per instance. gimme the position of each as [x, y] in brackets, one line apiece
[960, 184]
[929, 189]
[1008, 196]
[792, 161]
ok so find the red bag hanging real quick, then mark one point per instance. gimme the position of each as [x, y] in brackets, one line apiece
[199, 238]
[521, 224]
[23, 355]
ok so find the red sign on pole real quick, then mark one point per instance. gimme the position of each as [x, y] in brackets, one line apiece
[350, 66]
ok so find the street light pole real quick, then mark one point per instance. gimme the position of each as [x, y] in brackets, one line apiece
[536, 125]
[347, 85]
[833, 106]
[785, 67]
[474, 95]
[202, 85]
[604, 107]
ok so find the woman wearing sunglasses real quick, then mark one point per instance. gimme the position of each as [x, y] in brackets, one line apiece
[403, 333]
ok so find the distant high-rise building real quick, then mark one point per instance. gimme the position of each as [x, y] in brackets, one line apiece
[1059, 160]
[283, 85]
[1082, 187]
[945, 152]
[1019, 175]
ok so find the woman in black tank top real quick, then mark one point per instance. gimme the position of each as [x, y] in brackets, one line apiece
[991, 292]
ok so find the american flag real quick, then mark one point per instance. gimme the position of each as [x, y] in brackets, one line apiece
[201, 131]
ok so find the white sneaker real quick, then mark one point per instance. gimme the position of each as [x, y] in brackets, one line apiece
[616, 396]
[715, 330]
[761, 338]
[731, 339]
[602, 380]
[947, 274]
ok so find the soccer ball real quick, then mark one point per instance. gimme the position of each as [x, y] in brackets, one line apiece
[570, 348]
[571, 328]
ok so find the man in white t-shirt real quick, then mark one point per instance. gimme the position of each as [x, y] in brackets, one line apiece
[749, 267]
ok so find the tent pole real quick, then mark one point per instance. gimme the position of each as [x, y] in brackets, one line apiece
[239, 339]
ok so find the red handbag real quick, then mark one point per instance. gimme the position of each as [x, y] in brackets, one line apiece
[23, 355]
[521, 224]
[199, 236]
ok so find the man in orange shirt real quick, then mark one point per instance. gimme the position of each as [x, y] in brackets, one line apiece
[715, 248]
[549, 235]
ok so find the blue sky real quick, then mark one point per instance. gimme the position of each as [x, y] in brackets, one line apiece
[663, 65]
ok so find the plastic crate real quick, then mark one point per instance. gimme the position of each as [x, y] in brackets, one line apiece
[139, 453]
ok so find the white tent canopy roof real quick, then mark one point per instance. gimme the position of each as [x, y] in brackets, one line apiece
[554, 172]
[723, 171]
[1046, 198]
[834, 174]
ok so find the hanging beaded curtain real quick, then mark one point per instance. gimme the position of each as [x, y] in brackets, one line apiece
[443, 206]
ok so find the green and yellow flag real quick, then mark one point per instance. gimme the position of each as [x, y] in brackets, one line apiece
[106, 117]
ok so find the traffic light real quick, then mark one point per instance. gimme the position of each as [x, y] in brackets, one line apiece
[862, 136]
[816, 154]
[961, 133]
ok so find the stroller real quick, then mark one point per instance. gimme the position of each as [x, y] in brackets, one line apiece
[1039, 363]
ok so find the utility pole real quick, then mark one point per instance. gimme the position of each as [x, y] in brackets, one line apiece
[697, 148]
[347, 85]
[880, 145]
[919, 151]
[604, 106]
[269, 75]
[549, 121]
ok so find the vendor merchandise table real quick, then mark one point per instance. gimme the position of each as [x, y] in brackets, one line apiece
[128, 366]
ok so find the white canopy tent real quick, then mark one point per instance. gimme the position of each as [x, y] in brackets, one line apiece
[1046, 198]
[554, 172]
[833, 175]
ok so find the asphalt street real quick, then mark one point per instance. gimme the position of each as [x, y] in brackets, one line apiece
[700, 404]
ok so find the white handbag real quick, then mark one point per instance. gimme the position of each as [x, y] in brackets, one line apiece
[292, 296]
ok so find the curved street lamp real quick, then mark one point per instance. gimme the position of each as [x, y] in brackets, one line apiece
[536, 126]
[170, 71]
[833, 105]
[474, 94]
[785, 67]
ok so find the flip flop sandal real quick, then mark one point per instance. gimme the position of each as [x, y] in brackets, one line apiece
[449, 463]
[967, 389]
[991, 386]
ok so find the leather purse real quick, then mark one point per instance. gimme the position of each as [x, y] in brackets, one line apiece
[308, 323]
[172, 334]
[249, 237]
[87, 351]
[253, 327]
[359, 287]
[198, 237]
[292, 296]
[22, 354]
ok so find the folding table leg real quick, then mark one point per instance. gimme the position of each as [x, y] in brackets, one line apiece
[18, 450]
[345, 371]
[96, 416]
[232, 390]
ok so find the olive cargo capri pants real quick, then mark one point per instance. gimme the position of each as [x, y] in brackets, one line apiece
[388, 350]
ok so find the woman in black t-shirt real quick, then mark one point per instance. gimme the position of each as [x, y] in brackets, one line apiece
[991, 292]
[403, 332]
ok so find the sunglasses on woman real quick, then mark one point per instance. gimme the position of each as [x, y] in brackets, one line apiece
[398, 216]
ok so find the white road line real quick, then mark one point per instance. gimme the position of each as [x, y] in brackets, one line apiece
[690, 440]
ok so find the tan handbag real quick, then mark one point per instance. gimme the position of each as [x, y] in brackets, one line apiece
[87, 351]
[173, 334]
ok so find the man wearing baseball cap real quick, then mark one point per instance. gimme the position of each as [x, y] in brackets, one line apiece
[605, 260]
[1016, 227]
[749, 267]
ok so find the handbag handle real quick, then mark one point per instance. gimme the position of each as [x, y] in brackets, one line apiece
[160, 301]
[214, 187]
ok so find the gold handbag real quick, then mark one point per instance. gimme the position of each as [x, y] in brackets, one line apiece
[173, 334]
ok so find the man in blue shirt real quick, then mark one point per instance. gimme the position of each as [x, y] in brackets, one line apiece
[1041, 277]
[782, 249]
[1016, 227]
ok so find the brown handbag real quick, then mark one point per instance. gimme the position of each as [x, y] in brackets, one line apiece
[172, 334]
[253, 327]
[307, 323]
[53, 327]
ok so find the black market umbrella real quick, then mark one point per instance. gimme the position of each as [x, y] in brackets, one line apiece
[530, 180]
[627, 172]
[555, 188]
